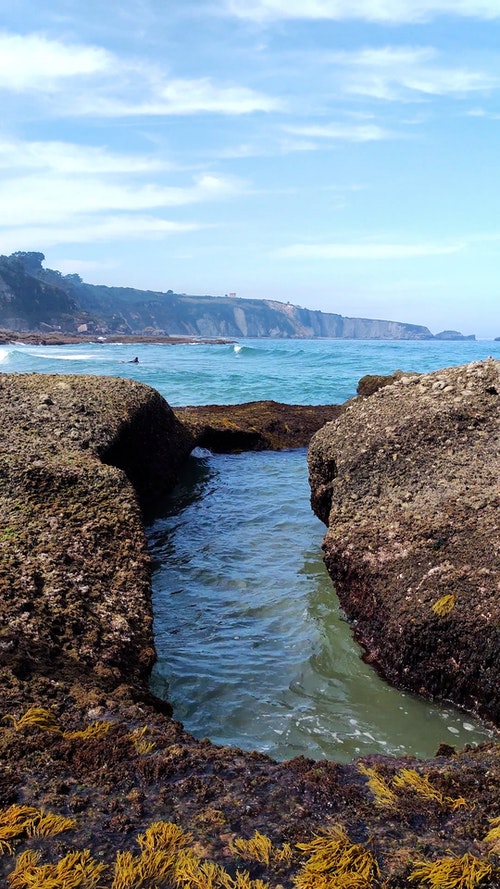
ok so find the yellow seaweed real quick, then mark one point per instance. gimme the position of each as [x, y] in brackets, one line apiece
[452, 872]
[193, 873]
[77, 870]
[138, 740]
[36, 716]
[17, 820]
[382, 793]
[150, 869]
[49, 825]
[493, 835]
[160, 846]
[14, 821]
[334, 861]
[444, 605]
[410, 779]
[258, 848]
[165, 836]
[94, 730]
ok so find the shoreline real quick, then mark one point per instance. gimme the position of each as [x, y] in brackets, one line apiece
[35, 338]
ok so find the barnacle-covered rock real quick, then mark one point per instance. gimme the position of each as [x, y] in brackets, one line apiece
[407, 482]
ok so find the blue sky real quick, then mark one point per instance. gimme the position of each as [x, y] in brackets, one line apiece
[339, 154]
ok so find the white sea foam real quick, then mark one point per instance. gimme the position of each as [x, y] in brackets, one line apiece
[4, 355]
[51, 355]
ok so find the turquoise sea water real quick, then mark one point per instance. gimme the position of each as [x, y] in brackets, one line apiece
[253, 649]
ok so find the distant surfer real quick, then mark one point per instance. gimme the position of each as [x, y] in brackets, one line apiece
[132, 361]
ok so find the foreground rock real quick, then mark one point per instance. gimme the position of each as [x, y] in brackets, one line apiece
[83, 741]
[407, 482]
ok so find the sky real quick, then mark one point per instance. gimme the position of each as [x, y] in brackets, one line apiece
[341, 155]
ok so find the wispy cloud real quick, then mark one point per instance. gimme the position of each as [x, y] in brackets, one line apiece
[382, 11]
[343, 132]
[53, 198]
[88, 230]
[399, 72]
[181, 97]
[66, 157]
[365, 251]
[481, 112]
[78, 80]
[55, 192]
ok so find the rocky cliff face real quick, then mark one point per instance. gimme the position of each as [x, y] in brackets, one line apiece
[407, 482]
[34, 298]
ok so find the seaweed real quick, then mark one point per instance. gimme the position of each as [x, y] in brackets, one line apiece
[444, 605]
[493, 835]
[452, 872]
[334, 861]
[77, 870]
[141, 746]
[38, 717]
[410, 779]
[260, 848]
[382, 793]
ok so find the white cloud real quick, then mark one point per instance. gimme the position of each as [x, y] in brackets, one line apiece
[383, 11]
[181, 97]
[67, 157]
[365, 133]
[368, 251]
[54, 198]
[89, 230]
[35, 63]
[77, 80]
[398, 72]
[480, 112]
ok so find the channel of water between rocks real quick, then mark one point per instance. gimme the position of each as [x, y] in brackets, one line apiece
[253, 648]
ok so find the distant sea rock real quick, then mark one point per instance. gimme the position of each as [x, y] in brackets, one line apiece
[36, 299]
[453, 335]
[406, 481]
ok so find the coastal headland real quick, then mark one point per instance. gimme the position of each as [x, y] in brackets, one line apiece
[99, 783]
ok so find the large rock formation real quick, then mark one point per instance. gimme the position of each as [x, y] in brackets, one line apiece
[407, 482]
[91, 762]
[75, 580]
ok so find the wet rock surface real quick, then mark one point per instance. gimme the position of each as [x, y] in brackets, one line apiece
[255, 425]
[407, 482]
[82, 738]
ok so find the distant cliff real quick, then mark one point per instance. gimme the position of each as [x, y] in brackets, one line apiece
[38, 299]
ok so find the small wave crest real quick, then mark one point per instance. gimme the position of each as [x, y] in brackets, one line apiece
[238, 349]
[4, 355]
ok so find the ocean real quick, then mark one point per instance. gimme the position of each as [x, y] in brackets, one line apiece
[253, 647]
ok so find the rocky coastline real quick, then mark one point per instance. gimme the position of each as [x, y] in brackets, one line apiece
[131, 796]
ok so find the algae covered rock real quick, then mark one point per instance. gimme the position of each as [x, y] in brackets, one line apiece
[79, 457]
[255, 425]
[407, 482]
